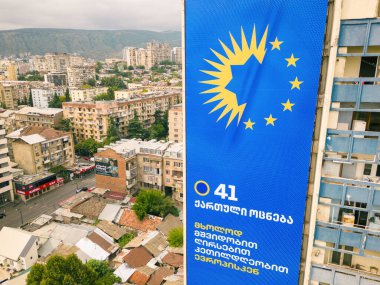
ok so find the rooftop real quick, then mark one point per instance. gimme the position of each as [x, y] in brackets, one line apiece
[129, 219]
[170, 222]
[173, 259]
[39, 111]
[111, 229]
[15, 243]
[138, 257]
[27, 179]
[33, 134]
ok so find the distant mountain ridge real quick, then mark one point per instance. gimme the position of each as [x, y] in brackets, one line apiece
[97, 44]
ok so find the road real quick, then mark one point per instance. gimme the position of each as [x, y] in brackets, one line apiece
[44, 204]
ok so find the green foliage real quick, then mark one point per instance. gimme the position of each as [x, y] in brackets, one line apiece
[91, 82]
[61, 172]
[66, 271]
[158, 69]
[67, 95]
[126, 239]
[175, 237]
[130, 67]
[160, 129]
[136, 129]
[87, 147]
[31, 76]
[167, 62]
[98, 66]
[112, 131]
[64, 125]
[104, 97]
[55, 102]
[154, 203]
[114, 83]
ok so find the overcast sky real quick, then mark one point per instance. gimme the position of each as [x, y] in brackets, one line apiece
[158, 15]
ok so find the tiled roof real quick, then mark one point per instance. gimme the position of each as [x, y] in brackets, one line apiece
[173, 259]
[159, 275]
[129, 219]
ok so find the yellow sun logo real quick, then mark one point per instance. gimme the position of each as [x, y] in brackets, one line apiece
[223, 75]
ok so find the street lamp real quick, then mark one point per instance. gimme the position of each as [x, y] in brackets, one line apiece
[22, 220]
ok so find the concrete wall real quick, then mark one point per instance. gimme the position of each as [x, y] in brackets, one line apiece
[24, 156]
[117, 184]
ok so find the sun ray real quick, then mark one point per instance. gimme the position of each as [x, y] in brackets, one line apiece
[226, 100]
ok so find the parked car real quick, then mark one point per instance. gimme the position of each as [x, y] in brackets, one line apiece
[91, 189]
[82, 189]
[2, 215]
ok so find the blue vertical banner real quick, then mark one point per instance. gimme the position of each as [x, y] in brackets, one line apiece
[252, 73]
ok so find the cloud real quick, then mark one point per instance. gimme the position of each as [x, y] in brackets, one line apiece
[159, 15]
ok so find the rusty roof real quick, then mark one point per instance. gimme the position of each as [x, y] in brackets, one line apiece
[129, 219]
[159, 275]
[138, 257]
[173, 259]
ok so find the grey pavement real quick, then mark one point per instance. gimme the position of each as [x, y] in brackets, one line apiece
[44, 204]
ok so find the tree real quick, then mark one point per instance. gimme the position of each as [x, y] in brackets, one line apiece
[114, 82]
[160, 129]
[91, 82]
[70, 270]
[67, 95]
[112, 131]
[98, 66]
[154, 203]
[126, 239]
[64, 125]
[55, 102]
[30, 99]
[87, 147]
[135, 129]
[175, 237]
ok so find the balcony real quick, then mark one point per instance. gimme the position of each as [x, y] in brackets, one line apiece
[353, 142]
[359, 33]
[357, 91]
[339, 189]
[331, 274]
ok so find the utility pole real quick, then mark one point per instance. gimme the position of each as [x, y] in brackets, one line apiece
[22, 220]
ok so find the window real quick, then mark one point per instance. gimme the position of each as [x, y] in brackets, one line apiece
[367, 169]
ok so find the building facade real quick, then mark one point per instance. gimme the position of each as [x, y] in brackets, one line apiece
[37, 149]
[12, 93]
[6, 189]
[92, 119]
[55, 62]
[39, 117]
[42, 96]
[153, 54]
[79, 75]
[86, 94]
[129, 165]
[176, 123]
[56, 78]
[342, 226]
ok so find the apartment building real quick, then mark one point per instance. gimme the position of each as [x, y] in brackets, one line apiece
[55, 62]
[176, 55]
[12, 93]
[128, 165]
[8, 116]
[92, 119]
[37, 149]
[153, 54]
[342, 233]
[86, 94]
[79, 75]
[176, 123]
[42, 96]
[56, 78]
[6, 189]
[39, 117]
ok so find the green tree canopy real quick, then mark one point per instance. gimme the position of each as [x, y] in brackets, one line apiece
[70, 270]
[67, 95]
[113, 82]
[135, 129]
[55, 102]
[87, 147]
[153, 202]
[175, 237]
[30, 99]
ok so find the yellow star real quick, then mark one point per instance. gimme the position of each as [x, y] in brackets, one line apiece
[270, 120]
[276, 44]
[296, 84]
[292, 60]
[249, 124]
[287, 106]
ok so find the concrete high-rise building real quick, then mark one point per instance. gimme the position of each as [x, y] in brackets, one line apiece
[86, 94]
[176, 55]
[176, 123]
[342, 226]
[42, 96]
[79, 75]
[153, 54]
[56, 78]
[6, 189]
[92, 119]
[12, 93]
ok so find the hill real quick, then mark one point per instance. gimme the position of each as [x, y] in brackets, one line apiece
[97, 44]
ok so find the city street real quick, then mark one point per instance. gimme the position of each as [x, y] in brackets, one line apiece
[44, 204]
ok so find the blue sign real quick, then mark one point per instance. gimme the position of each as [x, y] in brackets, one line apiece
[252, 73]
